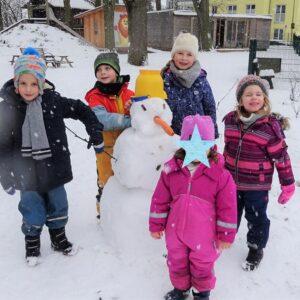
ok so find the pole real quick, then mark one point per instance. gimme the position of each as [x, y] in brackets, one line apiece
[252, 55]
[47, 12]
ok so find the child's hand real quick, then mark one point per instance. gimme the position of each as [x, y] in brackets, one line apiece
[127, 105]
[10, 190]
[157, 235]
[287, 191]
[223, 245]
[96, 141]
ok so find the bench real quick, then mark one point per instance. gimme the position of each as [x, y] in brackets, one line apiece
[14, 58]
[63, 59]
[267, 74]
[48, 57]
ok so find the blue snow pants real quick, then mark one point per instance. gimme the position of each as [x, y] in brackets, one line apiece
[50, 208]
[255, 204]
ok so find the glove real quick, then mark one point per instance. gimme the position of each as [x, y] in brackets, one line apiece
[97, 142]
[287, 191]
[10, 190]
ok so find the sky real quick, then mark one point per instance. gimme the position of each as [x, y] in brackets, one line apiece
[117, 259]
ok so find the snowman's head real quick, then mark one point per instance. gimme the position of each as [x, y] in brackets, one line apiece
[143, 114]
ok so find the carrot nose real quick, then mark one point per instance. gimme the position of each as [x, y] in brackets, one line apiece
[168, 130]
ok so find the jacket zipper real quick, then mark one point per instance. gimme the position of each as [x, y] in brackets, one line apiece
[237, 158]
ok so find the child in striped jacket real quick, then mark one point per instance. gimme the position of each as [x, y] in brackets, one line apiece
[254, 145]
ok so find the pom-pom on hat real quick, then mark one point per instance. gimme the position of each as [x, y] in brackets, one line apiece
[251, 80]
[31, 51]
[186, 42]
[205, 126]
[30, 62]
[107, 58]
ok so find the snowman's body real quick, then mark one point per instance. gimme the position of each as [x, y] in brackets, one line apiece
[141, 150]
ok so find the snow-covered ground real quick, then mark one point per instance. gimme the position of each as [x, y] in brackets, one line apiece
[117, 259]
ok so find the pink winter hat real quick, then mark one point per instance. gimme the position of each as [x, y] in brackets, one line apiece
[205, 126]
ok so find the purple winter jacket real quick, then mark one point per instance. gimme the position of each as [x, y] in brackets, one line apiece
[201, 208]
[251, 154]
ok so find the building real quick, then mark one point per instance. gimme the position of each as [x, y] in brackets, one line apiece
[285, 14]
[36, 9]
[228, 31]
[94, 32]
[236, 30]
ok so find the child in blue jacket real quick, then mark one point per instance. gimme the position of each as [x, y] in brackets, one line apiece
[185, 83]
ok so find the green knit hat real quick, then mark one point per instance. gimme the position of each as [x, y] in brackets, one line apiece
[107, 58]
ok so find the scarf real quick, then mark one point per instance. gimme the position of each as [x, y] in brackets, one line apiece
[112, 88]
[186, 77]
[34, 138]
[250, 120]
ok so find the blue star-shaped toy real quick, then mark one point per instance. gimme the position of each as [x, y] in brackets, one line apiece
[196, 148]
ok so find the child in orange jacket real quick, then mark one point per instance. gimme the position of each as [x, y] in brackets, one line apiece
[110, 101]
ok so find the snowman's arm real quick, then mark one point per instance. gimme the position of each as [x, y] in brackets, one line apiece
[209, 104]
[111, 121]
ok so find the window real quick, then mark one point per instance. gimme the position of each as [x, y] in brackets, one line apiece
[250, 9]
[278, 34]
[231, 9]
[214, 10]
[280, 14]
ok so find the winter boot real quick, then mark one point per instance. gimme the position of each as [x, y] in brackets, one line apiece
[177, 294]
[98, 197]
[201, 295]
[253, 259]
[59, 241]
[32, 246]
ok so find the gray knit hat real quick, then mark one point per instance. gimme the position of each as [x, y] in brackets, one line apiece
[251, 80]
[107, 58]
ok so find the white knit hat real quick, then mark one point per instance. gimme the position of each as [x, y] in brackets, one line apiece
[186, 42]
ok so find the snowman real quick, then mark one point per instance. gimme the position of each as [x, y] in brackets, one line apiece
[139, 152]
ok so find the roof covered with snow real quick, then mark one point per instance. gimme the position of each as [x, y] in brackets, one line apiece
[242, 16]
[79, 4]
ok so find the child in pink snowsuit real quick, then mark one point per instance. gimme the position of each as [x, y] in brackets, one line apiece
[196, 207]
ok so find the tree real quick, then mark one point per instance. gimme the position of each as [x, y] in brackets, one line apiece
[149, 5]
[158, 4]
[1, 20]
[109, 6]
[11, 11]
[202, 10]
[97, 3]
[173, 4]
[68, 13]
[137, 30]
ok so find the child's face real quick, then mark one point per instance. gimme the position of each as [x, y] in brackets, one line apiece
[28, 87]
[183, 59]
[106, 74]
[253, 98]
